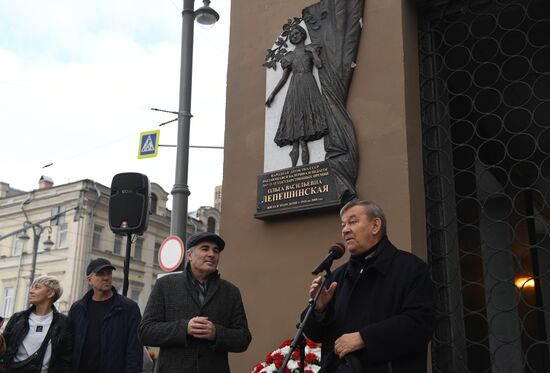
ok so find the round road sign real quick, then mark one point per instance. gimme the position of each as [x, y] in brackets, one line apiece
[171, 253]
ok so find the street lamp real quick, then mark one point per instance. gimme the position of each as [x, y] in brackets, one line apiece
[37, 230]
[24, 236]
[207, 16]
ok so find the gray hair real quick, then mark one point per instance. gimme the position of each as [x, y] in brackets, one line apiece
[52, 283]
[372, 209]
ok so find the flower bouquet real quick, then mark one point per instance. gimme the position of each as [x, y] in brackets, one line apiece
[274, 360]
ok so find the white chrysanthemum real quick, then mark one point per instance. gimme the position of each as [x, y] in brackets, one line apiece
[283, 350]
[293, 364]
[314, 368]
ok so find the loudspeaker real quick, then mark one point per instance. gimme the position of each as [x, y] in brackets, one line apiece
[129, 203]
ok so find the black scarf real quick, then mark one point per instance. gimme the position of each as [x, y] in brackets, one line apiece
[358, 263]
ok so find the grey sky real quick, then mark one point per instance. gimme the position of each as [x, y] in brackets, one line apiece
[77, 80]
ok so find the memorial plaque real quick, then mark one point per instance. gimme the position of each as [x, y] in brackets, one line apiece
[296, 189]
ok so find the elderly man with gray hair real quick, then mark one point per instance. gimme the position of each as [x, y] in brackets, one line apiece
[38, 339]
[195, 317]
[375, 313]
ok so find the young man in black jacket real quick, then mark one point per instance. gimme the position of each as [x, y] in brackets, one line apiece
[105, 326]
[376, 313]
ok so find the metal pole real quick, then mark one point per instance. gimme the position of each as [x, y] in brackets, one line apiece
[36, 240]
[127, 264]
[180, 192]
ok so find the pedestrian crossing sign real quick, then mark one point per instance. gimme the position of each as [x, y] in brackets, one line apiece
[148, 144]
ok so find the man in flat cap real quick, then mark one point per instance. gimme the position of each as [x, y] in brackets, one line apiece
[195, 317]
[105, 326]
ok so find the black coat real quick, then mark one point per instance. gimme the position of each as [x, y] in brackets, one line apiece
[390, 304]
[172, 303]
[121, 350]
[60, 335]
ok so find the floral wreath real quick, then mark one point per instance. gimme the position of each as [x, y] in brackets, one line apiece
[274, 360]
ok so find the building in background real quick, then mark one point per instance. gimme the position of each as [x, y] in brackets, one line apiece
[218, 198]
[74, 217]
[205, 219]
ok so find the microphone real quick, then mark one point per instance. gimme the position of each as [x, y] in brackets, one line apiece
[335, 252]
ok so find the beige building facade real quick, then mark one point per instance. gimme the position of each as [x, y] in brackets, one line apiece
[79, 234]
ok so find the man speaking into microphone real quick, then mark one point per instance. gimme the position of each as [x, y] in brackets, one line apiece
[375, 315]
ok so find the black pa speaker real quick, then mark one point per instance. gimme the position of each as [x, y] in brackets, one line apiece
[129, 203]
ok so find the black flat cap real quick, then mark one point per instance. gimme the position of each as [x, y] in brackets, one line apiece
[98, 264]
[199, 237]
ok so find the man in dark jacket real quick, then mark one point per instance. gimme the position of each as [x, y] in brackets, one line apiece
[105, 326]
[376, 313]
[195, 317]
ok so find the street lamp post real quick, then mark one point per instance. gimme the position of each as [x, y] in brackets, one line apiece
[207, 16]
[37, 230]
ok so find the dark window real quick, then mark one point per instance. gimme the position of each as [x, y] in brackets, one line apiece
[60, 219]
[211, 225]
[156, 253]
[138, 248]
[154, 203]
[118, 245]
[96, 239]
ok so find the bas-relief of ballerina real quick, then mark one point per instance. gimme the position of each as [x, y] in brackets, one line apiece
[335, 26]
[303, 116]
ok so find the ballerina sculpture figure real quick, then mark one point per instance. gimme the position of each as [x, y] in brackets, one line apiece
[303, 118]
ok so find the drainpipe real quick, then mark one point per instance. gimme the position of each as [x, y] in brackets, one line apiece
[88, 248]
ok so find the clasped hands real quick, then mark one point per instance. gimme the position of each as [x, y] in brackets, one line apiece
[346, 343]
[202, 328]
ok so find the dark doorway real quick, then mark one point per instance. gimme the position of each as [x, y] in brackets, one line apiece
[485, 91]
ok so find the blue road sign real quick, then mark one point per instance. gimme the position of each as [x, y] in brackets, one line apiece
[148, 144]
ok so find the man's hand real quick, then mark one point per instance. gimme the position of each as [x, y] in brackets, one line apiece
[348, 343]
[200, 327]
[325, 296]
